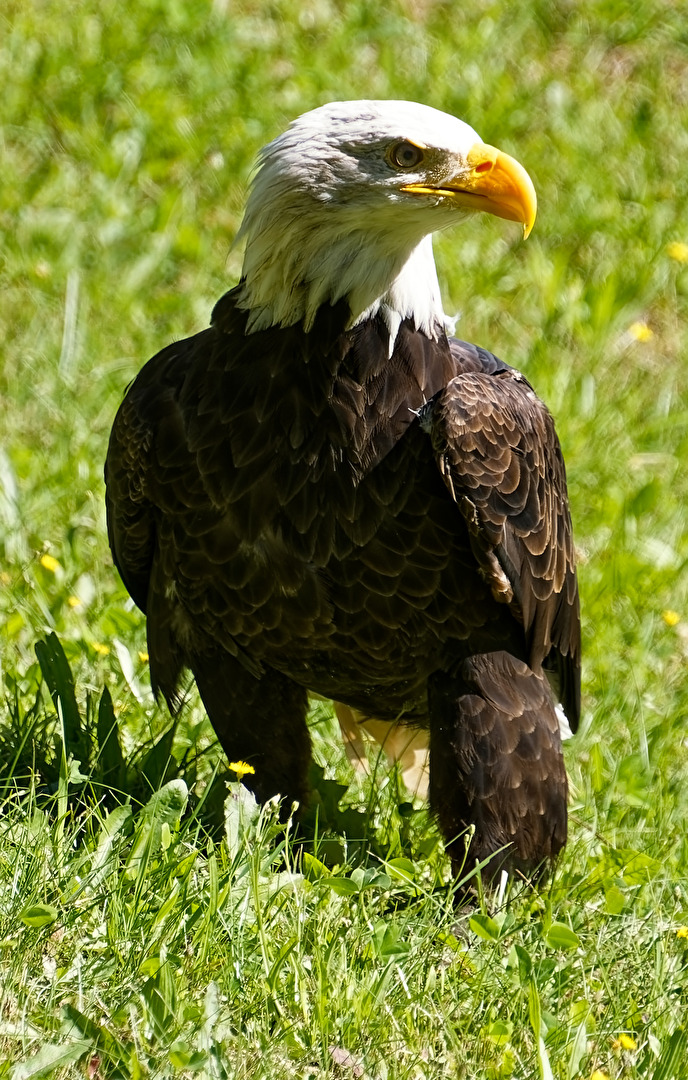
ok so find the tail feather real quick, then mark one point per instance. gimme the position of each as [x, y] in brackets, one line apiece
[496, 762]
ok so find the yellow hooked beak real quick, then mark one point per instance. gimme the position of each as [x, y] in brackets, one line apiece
[491, 181]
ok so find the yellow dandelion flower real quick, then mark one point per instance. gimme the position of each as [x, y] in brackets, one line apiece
[640, 331]
[625, 1042]
[241, 768]
[49, 562]
[682, 932]
[4, 577]
[678, 250]
[102, 650]
[671, 618]
[143, 657]
[599, 1075]
[74, 601]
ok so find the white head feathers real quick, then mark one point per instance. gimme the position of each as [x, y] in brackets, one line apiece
[327, 217]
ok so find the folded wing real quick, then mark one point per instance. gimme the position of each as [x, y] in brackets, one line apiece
[500, 457]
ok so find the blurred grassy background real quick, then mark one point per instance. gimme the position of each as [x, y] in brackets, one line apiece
[128, 134]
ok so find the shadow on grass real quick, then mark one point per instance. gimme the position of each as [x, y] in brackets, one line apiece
[76, 758]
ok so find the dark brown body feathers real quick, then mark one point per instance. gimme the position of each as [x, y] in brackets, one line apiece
[303, 512]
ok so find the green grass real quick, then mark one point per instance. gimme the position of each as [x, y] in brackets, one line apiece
[135, 945]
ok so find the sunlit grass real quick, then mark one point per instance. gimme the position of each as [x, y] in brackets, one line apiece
[134, 945]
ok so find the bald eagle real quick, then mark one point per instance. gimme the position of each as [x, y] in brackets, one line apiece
[326, 492]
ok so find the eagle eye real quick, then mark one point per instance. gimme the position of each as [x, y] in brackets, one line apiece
[405, 155]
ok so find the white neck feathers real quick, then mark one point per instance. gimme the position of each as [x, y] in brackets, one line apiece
[301, 257]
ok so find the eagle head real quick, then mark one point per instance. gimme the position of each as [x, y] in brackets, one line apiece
[345, 201]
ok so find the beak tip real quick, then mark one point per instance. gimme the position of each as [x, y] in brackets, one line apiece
[506, 184]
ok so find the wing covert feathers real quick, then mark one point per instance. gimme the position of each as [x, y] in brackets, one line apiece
[500, 458]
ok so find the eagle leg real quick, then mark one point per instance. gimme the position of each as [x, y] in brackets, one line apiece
[259, 720]
[496, 765]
